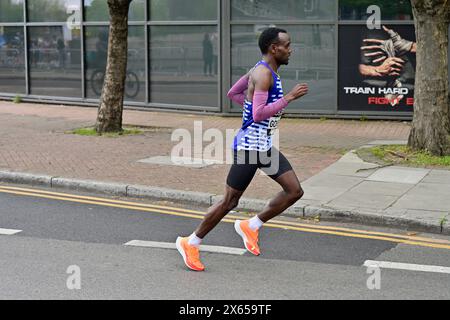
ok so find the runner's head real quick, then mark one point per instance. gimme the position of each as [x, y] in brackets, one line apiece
[276, 43]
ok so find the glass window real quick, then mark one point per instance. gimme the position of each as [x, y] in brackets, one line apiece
[55, 61]
[96, 53]
[12, 60]
[52, 10]
[283, 10]
[183, 61]
[11, 10]
[97, 10]
[170, 10]
[96, 58]
[390, 10]
[135, 82]
[312, 61]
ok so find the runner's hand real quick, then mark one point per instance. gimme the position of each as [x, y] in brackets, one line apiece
[299, 91]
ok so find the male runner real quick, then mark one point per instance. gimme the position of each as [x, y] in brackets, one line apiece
[263, 107]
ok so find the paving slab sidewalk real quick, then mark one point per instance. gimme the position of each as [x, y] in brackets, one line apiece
[35, 149]
[365, 192]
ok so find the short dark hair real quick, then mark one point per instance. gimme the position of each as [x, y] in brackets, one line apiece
[269, 37]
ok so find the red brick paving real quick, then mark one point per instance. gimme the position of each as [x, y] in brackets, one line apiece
[33, 139]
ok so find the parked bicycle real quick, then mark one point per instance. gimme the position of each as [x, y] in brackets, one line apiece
[132, 85]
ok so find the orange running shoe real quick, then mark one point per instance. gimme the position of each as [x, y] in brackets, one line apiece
[249, 236]
[190, 254]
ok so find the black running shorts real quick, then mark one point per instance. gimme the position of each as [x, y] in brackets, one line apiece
[245, 163]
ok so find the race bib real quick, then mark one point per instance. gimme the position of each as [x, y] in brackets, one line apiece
[273, 125]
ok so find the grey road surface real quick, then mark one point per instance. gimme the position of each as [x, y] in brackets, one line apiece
[37, 263]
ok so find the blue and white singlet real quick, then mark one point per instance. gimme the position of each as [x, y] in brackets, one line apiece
[258, 135]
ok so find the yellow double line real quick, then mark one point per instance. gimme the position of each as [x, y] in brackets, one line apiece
[337, 231]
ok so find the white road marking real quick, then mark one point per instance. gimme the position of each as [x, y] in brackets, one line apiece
[169, 245]
[9, 232]
[406, 266]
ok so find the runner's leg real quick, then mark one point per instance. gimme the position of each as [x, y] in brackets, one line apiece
[274, 164]
[188, 247]
[218, 211]
[241, 174]
[239, 177]
[292, 192]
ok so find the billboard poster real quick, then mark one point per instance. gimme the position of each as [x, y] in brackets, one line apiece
[376, 68]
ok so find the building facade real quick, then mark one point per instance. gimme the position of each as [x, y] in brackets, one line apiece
[185, 55]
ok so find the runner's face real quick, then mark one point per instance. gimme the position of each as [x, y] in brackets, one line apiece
[282, 50]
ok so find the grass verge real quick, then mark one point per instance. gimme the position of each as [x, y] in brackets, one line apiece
[404, 156]
[90, 131]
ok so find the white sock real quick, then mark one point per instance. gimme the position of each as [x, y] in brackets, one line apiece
[194, 240]
[255, 223]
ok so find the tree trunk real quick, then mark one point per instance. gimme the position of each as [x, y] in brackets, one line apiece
[431, 124]
[109, 118]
